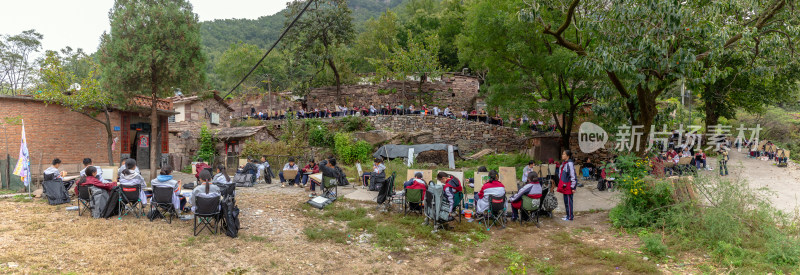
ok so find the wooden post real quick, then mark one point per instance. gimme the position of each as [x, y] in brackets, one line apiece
[410, 159]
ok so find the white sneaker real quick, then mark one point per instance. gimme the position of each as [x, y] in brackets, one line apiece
[564, 219]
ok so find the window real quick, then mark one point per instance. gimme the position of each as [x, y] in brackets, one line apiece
[171, 118]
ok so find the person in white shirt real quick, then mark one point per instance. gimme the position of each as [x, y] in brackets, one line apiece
[289, 166]
[88, 162]
[447, 112]
[435, 111]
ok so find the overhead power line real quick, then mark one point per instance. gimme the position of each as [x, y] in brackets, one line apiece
[270, 48]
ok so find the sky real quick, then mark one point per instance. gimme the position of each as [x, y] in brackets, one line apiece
[79, 23]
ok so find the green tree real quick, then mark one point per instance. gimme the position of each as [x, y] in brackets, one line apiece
[526, 75]
[381, 31]
[153, 48]
[420, 59]
[16, 62]
[325, 26]
[645, 47]
[81, 94]
[208, 147]
[235, 62]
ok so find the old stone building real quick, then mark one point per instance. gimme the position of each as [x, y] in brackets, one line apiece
[456, 90]
[192, 112]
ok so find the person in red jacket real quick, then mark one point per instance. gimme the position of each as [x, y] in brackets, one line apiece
[451, 186]
[567, 182]
[416, 183]
[532, 189]
[311, 168]
[91, 179]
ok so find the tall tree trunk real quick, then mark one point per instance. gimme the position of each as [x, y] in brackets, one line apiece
[338, 80]
[711, 108]
[153, 132]
[647, 115]
[109, 138]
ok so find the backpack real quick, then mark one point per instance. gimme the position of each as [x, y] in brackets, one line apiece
[601, 185]
[243, 180]
[230, 217]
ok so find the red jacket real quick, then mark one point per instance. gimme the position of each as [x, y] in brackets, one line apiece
[453, 182]
[97, 183]
[419, 185]
[490, 184]
[314, 170]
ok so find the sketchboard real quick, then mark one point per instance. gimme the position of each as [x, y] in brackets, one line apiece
[242, 162]
[543, 170]
[480, 179]
[685, 161]
[458, 175]
[358, 168]
[427, 175]
[508, 176]
[110, 173]
[552, 169]
[761, 144]
[772, 148]
[289, 174]
[316, 177]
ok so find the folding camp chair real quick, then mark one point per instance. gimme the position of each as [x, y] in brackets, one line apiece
[85, 199]
[412, 196]
[530, 208]
[129, 201]
[206, 211]
[387, 192]
[458, 199]
[227, 190]
[161, 203]
[330, 188]
[496, 214]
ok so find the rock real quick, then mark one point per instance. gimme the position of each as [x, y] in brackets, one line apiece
[38, 193]
[645, 258]
[375, 137]
[13, 264]
[400, 262]
[390, 257]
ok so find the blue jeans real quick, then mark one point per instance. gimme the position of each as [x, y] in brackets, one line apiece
[568, 204]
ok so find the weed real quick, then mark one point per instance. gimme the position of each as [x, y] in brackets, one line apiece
[233, 250]
[237, 271]
[190, 241]
[363, 223]
[389, 237]
[653, 245]
[314, 233]
[544, 267]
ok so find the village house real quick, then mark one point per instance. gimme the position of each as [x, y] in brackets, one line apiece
[53, 131]
[191, 113]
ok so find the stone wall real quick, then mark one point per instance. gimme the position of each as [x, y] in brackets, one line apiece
[262, 103]
[183, 139]
[460, 92]
[470, 136]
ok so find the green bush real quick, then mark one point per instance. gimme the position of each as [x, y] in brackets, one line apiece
[640, 196]
[353, 124]
[319, 135]
[208, 147]
[349, 152]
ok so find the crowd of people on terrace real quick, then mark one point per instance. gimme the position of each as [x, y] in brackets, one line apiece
[400, 109]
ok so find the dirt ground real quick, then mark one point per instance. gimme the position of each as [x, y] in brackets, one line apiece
[782, 181]
[39, 238]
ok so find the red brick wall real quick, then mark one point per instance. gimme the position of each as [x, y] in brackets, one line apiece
[55, 132]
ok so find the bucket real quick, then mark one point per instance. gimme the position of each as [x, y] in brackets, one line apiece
[468, 214]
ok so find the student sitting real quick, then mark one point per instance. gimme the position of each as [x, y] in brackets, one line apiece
[700, 160]
[451, 187]
[472, 180]
[53, 173]
[532, 189]
[289, 166]
[91, 179]
[329, 169]
[131, 177]
[88, 162]
[311, 168]
[122, 167]
[206, 188]
[416, 183]
[491, 188]
[376, 176]
[527, 170]
[251, 168]
[165, 179]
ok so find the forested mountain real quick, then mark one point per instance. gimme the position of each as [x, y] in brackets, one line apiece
[219, 34]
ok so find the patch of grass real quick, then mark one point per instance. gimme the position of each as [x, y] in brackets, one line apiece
[233, 250]
[582, 229]
[544, 267]
[605, 257]
[6, 191]
[190, 241]
[325, 233]
[363, 223]
[653, 245]
[237, 271]
[345, 214]
[254, 238]
[390, 237]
